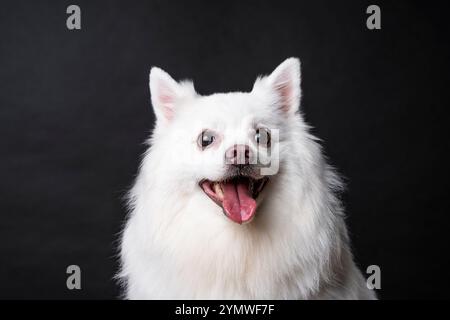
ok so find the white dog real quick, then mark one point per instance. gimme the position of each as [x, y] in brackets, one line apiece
[235, 201]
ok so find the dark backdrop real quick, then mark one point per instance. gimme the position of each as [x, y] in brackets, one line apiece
[75, 111]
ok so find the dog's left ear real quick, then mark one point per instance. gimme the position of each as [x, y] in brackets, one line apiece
[284, 83]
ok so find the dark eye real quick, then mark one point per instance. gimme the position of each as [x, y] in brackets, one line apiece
[206, 138]
[262, 137]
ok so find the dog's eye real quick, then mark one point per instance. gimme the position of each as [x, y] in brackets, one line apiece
[262, 137]
[206, 138]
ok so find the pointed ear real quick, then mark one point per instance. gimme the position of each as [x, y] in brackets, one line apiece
[284, 82]
[166, 93]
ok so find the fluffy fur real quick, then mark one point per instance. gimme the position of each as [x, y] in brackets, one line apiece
[177, 243]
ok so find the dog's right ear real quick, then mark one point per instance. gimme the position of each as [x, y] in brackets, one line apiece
[167, 94]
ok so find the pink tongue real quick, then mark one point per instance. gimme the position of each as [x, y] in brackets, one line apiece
[237, 202]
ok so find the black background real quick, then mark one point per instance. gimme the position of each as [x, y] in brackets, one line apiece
[75, 111]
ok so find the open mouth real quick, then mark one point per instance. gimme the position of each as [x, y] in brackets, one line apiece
[237, 196]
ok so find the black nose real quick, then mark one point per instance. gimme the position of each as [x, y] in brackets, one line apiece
[239, 155]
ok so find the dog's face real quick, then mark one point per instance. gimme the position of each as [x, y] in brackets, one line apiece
[225, 145]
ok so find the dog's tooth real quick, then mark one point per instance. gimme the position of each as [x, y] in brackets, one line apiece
[218, 190]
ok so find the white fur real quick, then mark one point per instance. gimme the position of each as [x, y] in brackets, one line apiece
[177, 243]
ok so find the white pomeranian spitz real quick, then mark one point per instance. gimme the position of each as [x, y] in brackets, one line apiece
[234, 200]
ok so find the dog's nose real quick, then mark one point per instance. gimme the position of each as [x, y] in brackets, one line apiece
[239, 154]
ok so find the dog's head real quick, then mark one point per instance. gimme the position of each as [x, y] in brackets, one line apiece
[224, 145]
